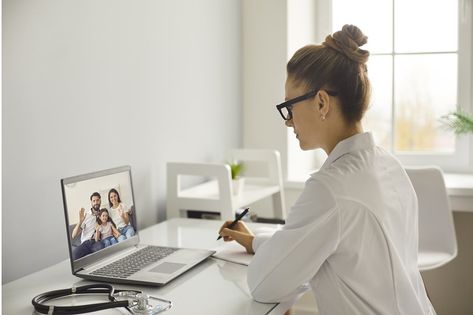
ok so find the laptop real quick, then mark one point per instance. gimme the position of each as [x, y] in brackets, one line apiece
[103, 234]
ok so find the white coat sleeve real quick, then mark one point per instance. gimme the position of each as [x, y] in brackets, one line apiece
[294, 254]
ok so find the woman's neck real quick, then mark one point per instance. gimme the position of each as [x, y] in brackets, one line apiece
[344, 133]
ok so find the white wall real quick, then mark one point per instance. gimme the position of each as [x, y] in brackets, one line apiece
[264, 73]
[89, 85]
[272, 31]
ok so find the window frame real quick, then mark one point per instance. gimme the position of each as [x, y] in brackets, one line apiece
[462, 159]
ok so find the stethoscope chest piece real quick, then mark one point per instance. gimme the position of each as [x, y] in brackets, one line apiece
[140, 303]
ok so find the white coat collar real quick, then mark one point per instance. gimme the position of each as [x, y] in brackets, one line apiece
[356, 142]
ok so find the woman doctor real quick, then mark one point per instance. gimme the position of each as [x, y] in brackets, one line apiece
[352, 234]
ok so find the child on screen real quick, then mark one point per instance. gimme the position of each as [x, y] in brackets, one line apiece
[106, 231]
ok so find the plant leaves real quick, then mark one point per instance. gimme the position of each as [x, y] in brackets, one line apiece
[459, 122]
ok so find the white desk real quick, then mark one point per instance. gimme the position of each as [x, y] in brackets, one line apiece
[460, 191]
[213, 287]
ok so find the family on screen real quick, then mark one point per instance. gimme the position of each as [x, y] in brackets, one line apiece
[102, 227]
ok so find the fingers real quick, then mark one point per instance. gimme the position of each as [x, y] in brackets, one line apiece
[239, 226]
[232, 234]
[244, 239]
[226, 233]
[226, 224]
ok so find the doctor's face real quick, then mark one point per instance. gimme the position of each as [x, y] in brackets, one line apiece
[305, 117]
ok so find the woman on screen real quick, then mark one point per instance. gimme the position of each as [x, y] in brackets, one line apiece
[120, 215]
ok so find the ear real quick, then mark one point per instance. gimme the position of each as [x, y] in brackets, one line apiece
[323, 103]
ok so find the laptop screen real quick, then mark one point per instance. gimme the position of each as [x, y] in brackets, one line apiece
[100, 213]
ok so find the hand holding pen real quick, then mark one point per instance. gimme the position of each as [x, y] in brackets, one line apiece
[238, 231]
[232, 224]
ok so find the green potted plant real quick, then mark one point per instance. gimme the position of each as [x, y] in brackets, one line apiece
[459, 122]
[238, 182]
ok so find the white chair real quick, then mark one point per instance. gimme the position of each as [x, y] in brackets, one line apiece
[212, 196]
[268, 163]
[216, 195]
[437, 240]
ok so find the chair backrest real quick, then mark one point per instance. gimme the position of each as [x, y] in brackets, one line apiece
[269, 159]
[221, 202]
[436, 227]
[269, 162]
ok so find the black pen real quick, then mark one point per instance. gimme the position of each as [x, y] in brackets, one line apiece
[235, 221]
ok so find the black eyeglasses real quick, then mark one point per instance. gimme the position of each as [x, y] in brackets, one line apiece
[285, 109]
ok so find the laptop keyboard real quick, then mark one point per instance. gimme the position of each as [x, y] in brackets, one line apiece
[126, 266]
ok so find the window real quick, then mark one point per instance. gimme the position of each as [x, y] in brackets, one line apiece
[420, 69]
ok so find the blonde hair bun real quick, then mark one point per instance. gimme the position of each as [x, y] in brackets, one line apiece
[348, 42]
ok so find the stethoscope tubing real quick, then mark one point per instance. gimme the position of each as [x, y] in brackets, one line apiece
[40, 307]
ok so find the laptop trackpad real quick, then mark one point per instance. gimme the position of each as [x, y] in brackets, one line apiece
[167, 267]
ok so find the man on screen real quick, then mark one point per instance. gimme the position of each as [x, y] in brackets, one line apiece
[86, 225]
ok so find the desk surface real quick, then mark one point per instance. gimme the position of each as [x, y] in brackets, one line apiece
[213, 287]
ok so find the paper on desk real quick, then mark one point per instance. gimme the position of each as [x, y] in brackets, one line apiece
[233, 252]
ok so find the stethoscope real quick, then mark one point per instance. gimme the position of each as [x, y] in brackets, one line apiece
[136, 302]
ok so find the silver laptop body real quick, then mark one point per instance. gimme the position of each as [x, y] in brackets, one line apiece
[77, 193]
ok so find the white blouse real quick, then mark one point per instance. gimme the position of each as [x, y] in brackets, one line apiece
[116, 215]
[352, 236]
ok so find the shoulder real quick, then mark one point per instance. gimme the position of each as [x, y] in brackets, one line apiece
[354, 169]
[317, 187]
[316, 202]
[89, 217]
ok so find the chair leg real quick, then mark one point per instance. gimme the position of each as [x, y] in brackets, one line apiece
[278, 206]
[426, 291]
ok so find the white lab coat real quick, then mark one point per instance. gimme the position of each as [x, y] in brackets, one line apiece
[352, 236]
